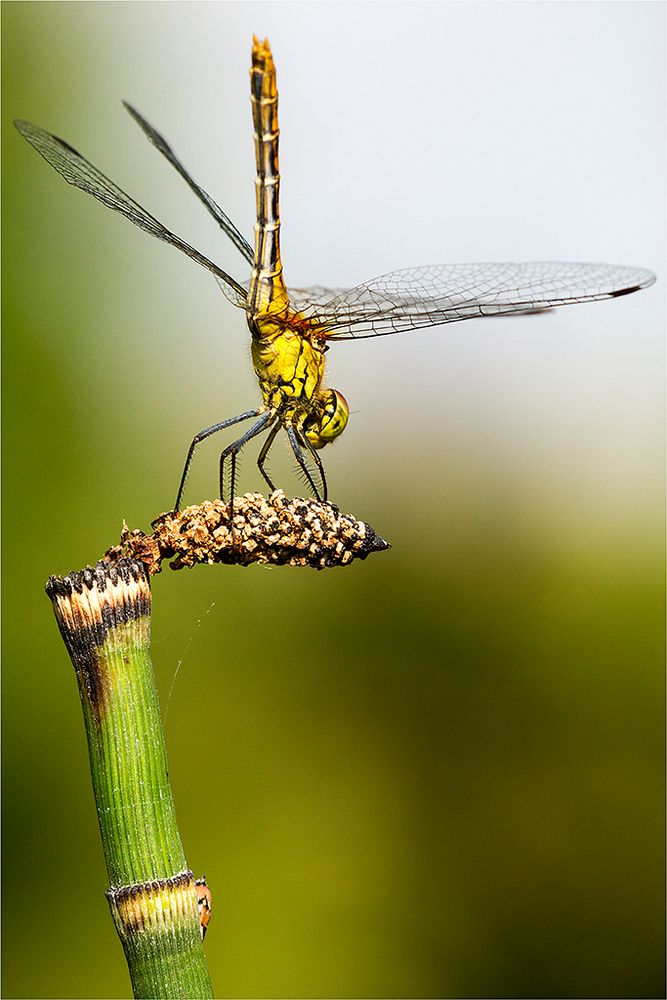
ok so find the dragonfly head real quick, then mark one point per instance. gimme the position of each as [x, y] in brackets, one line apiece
[328, 420]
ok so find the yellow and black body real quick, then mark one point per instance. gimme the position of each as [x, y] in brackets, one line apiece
[290, 329]
[288, 347]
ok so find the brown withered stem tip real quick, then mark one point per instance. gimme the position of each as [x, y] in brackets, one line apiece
[271, 530]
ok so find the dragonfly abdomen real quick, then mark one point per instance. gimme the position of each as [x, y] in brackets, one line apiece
[267, 288]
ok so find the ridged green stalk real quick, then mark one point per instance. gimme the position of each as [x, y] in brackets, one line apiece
[104, 618]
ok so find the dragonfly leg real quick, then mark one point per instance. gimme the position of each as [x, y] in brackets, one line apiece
[264, 454]
[202, 437]
[318, 462]
[232, 450]
[303, 465]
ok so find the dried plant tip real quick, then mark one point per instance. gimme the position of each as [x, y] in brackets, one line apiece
[91, 606]
[270, 530]
[88, 602]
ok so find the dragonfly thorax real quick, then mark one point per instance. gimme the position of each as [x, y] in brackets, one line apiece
[290, 367]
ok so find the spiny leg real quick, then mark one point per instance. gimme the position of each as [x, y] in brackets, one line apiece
[263, 455]
[232, 451]
[318, 462]
[298, 454]
[202, 437]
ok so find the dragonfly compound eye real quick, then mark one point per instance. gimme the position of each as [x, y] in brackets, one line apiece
[331, 421]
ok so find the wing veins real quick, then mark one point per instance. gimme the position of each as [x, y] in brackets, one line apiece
[79, 172]
[429, 296]
[220, 216]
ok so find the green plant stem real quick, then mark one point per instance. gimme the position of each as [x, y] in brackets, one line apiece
[104, 618]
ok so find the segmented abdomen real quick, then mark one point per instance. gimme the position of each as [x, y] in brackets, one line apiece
[267, 289]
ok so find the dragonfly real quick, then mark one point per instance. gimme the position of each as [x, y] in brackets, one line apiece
[292, 329]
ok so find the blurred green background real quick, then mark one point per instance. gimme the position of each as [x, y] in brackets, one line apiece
[439, 772]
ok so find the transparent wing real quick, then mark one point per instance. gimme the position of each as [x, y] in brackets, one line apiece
[220, 216]
[78, 171]
[232, 294]
[306, 299]
[428, 296]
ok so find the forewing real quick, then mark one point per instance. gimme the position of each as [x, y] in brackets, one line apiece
[78, 171]
[232, 294]
[220, 216]
[429, 296]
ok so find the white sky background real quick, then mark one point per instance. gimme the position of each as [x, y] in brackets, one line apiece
[410, 134]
